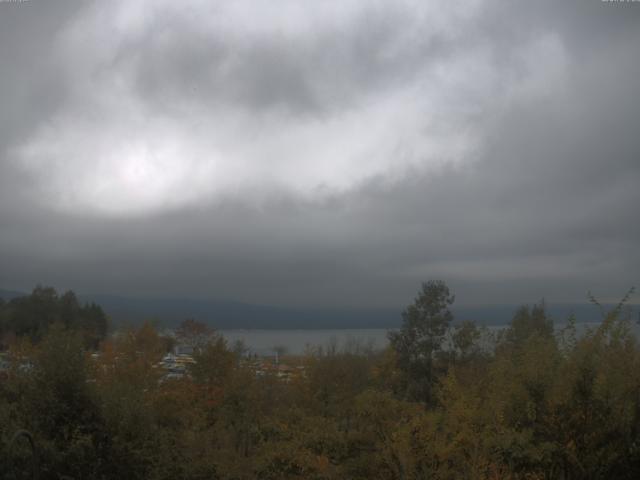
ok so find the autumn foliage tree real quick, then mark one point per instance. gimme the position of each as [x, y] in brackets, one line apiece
[194, 334]
[443, 401]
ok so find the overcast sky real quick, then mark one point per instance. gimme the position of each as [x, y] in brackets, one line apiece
[321, 153]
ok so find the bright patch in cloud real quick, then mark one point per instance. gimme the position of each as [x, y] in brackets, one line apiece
[176, 104]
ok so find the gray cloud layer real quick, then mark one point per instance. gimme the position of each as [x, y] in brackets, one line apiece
[337, 153]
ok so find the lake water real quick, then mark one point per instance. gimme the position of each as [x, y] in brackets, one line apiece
[264, 342]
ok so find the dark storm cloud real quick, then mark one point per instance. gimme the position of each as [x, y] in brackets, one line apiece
[304, 71]
[509, 163]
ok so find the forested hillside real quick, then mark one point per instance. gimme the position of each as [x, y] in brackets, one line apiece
[445, 400]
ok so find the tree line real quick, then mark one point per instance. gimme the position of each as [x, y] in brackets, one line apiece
[444, 400]
[31, 316]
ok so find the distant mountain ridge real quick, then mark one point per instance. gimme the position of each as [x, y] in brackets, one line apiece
[237, 315]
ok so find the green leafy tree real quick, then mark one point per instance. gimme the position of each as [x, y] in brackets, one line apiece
[32, 315]
[94, 325]
[425, 324]
[58, 405]
[527, 322]
[465, 340]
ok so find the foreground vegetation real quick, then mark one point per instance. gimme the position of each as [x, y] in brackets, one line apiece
[445, 401]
